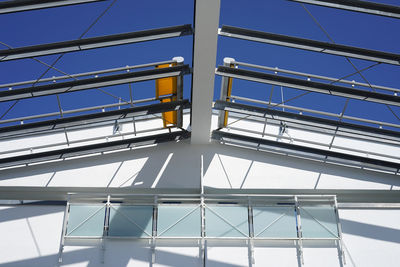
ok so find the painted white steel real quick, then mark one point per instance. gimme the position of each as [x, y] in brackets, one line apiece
[205, 51]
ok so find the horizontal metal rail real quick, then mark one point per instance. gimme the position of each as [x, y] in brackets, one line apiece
[308, 75]
[312, 121]
[65, 112]
[329, 114]
[26, 5]
[327, 145]
[311, 45]
[358, 6]
[308, 152]
[83, 120]
[91, 83]
[92, 194]
[80, 141]
[90, 149]
[94, 42]
[308, 85]
[78, 75]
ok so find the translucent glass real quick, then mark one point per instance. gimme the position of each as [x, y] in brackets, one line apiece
[226, 221]
[132, 221]
[318, 222]
[86, 220]
[179, 221]
[274, 222]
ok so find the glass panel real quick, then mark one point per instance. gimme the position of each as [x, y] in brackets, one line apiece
[226, 221]
[182, 220]
[318, 222]
[86, 220]
[274, 222]
[133, 221]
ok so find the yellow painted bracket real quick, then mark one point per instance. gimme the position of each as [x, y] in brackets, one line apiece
[166, 91]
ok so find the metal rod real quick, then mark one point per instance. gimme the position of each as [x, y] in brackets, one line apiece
[78, 110]
[299, 231]
[358, 6]
[311, 45]
[87, 119]
[90, 149]
[380, 123]
[308, 121]
[92, 83]
[94, 42]
[323, 144]
[309, 86]
[308, 75]
[309, 152]
[27, 5]
[340, 234]
[92, 73]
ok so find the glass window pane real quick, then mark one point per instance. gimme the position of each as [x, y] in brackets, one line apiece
[279, 222]
[86, 220]
[226, 221]
[182, 220]
[318, 222]
[133, 221]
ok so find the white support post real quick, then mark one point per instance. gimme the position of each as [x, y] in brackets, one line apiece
[105, 229]
[179, 92]
[63, 232]
[202, 213]
[252, 260]
[342, 256]
[154, 232]
[299, 232]
[204, 59]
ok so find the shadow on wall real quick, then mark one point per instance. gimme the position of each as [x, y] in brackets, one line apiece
[172, 165]
[117, 255]
[370, 231]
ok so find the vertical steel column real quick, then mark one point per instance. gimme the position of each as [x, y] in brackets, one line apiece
[179, 92]
[202, 213]
[204, 59]
[299, 232]
[63, 232]
[154, 232]
[251, 234]
[105, 229]
[226, 88]
[342, 256]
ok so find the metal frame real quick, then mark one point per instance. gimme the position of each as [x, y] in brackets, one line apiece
[90, 149]
[311, 45]
[380, 124]
[357, 6]
[326, 156]
[78, 75]
[156, 200]
[309, 85]
[327, 124]
[94, 42]
[91, 83]
[276, 70]
[198, 200]
[26, 5]
[84, 120]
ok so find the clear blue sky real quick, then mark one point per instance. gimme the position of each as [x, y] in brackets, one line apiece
[276, 16]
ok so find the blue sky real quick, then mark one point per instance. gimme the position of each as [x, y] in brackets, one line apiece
[276, 16]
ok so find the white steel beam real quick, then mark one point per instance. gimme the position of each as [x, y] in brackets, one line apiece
[204, 58]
